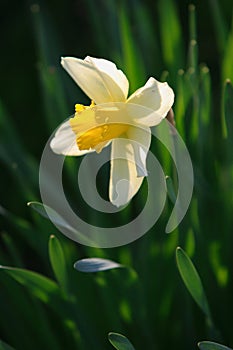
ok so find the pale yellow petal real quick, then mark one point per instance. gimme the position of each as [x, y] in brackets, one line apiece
[124, 181]
[157, 98]
[99, 79]
[112, 71]
[140, 138]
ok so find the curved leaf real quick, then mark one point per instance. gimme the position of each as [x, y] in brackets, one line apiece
[227, 108]
[58, 262]
[95, 265]
[119, 341]
[208, 345]
[192, 280]
[40, 286]
[48, 212]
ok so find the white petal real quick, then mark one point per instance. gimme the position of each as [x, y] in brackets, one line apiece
[98, 78]
[110, 69]
[157, 97]
[64, 141]
[124, 181]
[141, 140]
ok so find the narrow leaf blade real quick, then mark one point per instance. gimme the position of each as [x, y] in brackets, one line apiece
[57, 259]
[40, 286]
[228, 107]
[48, 213]
[192, 280]
[120, 342]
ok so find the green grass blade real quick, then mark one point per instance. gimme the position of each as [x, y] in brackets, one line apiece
[57, 259]
[227, 67]
[180, 105]
[40, 286]
[204, 114]
[119, 341]
[59, 221]
[147, 39]
[132, 59]
[228, 110]
[205, 95]
[170, 35]
[219, 24]
[54, 99]
[192, 22]
[193, 54]
[208, 345]
[192, 280]
[48, 213]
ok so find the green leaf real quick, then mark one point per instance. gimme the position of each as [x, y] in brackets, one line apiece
[193, 56]
[219, 23]
[208, 345]
[4, 346]
[95, 265]
[171, 35]
[48, 51]
[227, 69]
[58, 262]
[228, 108]
[132, 58]
[48, 213]
[59, 221]
[192, 280]
[120, 342]
[40, 286]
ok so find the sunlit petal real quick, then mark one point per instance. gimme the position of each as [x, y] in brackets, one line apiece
[156, 96]
[111, 70]
[124, 181]
[140, 139]
[99, 79]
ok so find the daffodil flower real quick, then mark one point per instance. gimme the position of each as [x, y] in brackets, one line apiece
[113, 118]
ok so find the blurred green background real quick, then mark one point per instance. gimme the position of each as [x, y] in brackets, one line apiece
[191, 47]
